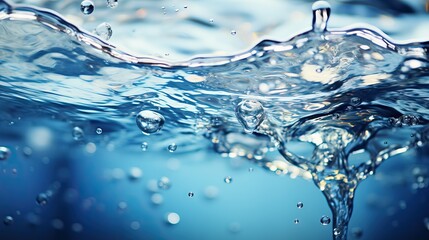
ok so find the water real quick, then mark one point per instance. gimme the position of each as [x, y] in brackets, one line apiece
[328, 104]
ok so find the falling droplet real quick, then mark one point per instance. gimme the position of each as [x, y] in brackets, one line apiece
[190, 194]
[144, 146]
[172, 147]
[4, 153]
[99, 131]
[77, 133]
[325, 220]
[164, 183]
[149, 121]
[250, 114]
[42, 199]
[8, 220]
[104, 30]
[173, 218]
[87, 7]
[296, 221]
[112, 3]
[228, 179]
[321, 13]
[300, 205]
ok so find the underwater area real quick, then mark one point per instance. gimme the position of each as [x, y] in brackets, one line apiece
[228, 119]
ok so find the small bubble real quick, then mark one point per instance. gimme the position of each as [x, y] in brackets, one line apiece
[227, 179]
[190, 194]
[385, 142]
[112, 3]
[149, 121]
[156, 199]
[135, 173]
[185, 7]
[177, 10]
[144, 146]
[173, 218]
[164, 183]
[300, 205]
[250, 169]
[355, 101]
[233, 32]
[27, 151]
[250, 114]
[90, 147]
[325, 220]
[296, 221]
[337, 231]
[104, 30]
[4, 153]
[99, 131]
[211, 20]
[135, 225]
[87, 7]
[172, 147]
[122, 206]
[77, 133]
[318, 70]
[336, 116]
[42, 199]
[8, 220]
[77, 227]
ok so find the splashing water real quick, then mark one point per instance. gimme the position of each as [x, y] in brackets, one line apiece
[340, 92]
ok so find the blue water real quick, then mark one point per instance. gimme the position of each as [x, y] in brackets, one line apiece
[336, 107]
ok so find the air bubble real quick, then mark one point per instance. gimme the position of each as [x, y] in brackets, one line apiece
[104, 30]
[157, 199]
[300, 205]
[149, 121]
[250, 114]
[190, 194]
[172, 147]
[135, 173]
[87, 7]
[173, 218]
[4, 153]
[77, 133]
[112, 3]
[164, 183]
[325, 220]
[144, 146]
[355, 101]
[228, 179]
[337, 231]
[233, 32]
[99, 131]
[321, 13]
[42, 199]
[8, 220]
[296, 221]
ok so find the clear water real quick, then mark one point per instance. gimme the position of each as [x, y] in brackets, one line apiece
[92, 127]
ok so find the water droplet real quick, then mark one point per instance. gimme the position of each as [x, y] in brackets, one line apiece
[8, 220]
[4, 153]
[99, 131]
[122, 206]
[211, 20]
[77, 133]
[190, 194]
[325, 220]
[185, 7]
[104, 30]
[112, 3]
[164, 183]
[337, 231]
[357, 232]
[90, 147]
[250, 114]
[233, 32]
[250, 169]
[156, 199]
[135, 173]
[300, 205]
[149, 121]
[177, 10]
[42, 199]
[355, 101]
[172, 147]
[321, 13]
[227, 179]
[86, 7]
[144, 146]
[173, 218]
